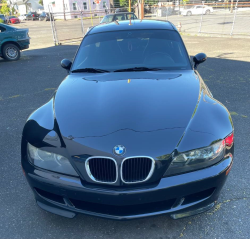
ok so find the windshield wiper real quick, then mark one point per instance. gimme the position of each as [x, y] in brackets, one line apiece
[90, 70]
[138, 69]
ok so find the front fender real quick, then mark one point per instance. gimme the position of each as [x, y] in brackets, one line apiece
[210, 122]
[41, 128]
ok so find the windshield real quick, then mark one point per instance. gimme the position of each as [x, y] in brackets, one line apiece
[162, 49]
[107, 19]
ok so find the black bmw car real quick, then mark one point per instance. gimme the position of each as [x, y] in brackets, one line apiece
[132, 131]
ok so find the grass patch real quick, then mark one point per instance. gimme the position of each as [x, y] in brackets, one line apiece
[233, 113]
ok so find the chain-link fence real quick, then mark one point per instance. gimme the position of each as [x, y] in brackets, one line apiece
[215, 18]
[207, 18]
[75, 26]
[72, 26]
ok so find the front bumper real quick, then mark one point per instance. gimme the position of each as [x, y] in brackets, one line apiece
[184, 194]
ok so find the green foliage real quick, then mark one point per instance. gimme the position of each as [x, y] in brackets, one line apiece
[41, 2]
[13, 11]
[151, 2]
[1, 20]
[185, 1]
[5, 8]
[124, 3]
[116, 3]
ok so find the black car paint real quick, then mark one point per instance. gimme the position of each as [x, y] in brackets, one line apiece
[44, 16]
[91, 113]
[32, 16]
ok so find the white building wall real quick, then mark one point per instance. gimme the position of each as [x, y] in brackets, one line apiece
[74, 7]
[22, 9]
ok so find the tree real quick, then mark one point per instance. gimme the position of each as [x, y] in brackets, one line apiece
[5, 8]
[124, 3]
[41, 2]
[13, 11]
[151, 2]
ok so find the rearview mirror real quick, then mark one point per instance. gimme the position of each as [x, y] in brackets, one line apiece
[66, 64]
[198, 59]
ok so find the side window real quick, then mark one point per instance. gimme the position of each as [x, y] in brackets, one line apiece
[120, 17]
[2, 29]
[74, 6]
[131, 16]
[107, 19]
[85, 7]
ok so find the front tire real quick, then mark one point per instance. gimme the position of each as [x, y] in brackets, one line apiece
[207, 12]
[11, 52]
[189, 13]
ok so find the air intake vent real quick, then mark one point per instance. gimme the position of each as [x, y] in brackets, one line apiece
[137, 169]
[102, 169]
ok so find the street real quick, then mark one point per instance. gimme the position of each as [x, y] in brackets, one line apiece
[30, 82]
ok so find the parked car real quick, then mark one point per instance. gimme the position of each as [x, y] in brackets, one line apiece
[3, 18]
[12, 41]
[14, 19]
[118, 10]
[23, 17]
[197, 10]
[44, 16]
[122, 16]
[132, 131]
[32, 16]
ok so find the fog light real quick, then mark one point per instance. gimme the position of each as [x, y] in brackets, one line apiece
[191, 213]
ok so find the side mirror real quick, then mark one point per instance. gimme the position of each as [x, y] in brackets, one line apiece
[198, 59]
[66, 64]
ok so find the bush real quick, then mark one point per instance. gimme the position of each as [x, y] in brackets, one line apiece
[1, 20]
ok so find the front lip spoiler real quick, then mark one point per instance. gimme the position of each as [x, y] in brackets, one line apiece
[70, 212]
[57, 211]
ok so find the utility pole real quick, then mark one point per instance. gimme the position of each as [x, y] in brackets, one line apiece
[232, 4]
[129, 5]
[64, 11]
[141, 8]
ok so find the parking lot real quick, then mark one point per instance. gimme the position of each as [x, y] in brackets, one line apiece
[28, 83]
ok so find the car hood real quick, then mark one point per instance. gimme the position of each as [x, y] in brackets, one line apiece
[135, 108]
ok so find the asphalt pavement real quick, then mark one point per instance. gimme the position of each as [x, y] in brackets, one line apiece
[30, 82]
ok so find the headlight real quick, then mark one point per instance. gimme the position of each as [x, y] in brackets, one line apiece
[50, 161]
[197, 159]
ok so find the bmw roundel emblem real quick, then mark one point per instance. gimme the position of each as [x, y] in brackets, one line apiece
[119, 150]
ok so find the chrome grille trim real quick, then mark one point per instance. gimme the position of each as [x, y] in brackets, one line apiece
[90, 174]
[149, 174]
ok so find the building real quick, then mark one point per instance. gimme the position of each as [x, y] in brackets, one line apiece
[74, 8]
[25, 6]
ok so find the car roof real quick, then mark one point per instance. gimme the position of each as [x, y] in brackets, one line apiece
[8, 27]
[118, 13]
[135, 25]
